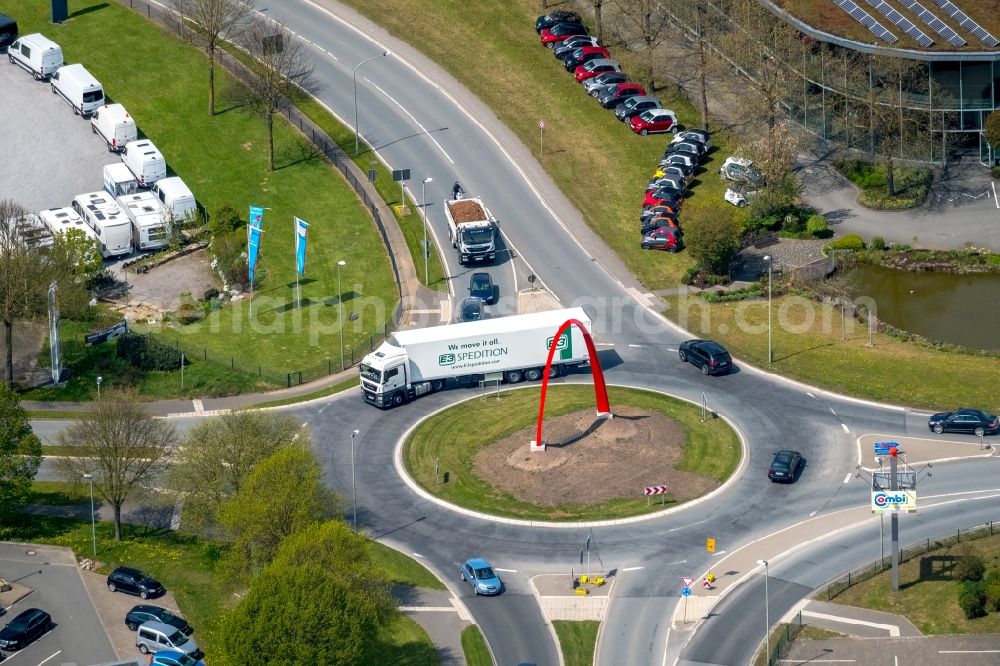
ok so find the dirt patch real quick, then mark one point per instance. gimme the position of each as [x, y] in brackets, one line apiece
[465, 210]
[590, 461]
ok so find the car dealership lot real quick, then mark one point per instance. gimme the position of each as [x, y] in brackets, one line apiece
[51, 573]
[50, 155]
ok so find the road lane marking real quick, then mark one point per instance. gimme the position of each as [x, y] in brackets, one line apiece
[808, 393]
[412, 117]
[995, 200]
[968, 651]
[689, 525]
[814, 512]
[416, 554]
[831, 411]
[504, 570]
[844, 426]
[431, 609]
[49, 657]
[633, 568]
[636, 346]
[846, 479]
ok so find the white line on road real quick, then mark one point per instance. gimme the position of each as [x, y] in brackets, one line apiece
[831, 411]
[810, 395]
[416, 554]
[995, 200]
[633, 568]
[844, 426]
[199, 406]
[49, 657]
[689, 525]
[721, 552]
[636, 346]
[604, 344]
[847, 478]
[968, 651]
[412, 117]
[433, 609]
[818, 661]
[814, 512]
[505, 570]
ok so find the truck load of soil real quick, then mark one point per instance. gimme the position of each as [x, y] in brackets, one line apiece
[466, 210]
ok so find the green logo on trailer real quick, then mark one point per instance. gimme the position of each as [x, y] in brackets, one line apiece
[446, 359]
[564, 346]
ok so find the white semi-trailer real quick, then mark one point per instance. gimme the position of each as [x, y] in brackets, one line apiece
[472, 230]
[509, 349]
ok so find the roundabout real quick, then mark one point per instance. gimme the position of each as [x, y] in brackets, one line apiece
[475, 455]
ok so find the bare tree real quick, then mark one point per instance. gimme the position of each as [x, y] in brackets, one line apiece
[646, 21]
[218, 20]
[773, 156]
[122, 446]
[700, 26]
[283, 72]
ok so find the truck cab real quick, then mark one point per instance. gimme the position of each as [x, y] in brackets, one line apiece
[385, 379]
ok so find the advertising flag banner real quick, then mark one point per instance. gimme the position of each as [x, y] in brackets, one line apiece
[254, 229]
[301, 226]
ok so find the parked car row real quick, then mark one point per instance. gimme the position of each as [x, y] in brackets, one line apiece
[665, 193]
[139, 203]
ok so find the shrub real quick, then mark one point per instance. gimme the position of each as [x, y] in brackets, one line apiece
[972, 599]
[689, 274]
[189, 311]
[902, 247]
[816, 225]
[229, 249]
[145, 353]
[225, 220]
[755, 290]
[996, 172]
[713, 240]
[970, 567]
[848, 242]
[993, 590]
[877, 243]
[210, 294]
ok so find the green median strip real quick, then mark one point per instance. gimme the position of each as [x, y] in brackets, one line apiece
[474, 647]
[577, 640]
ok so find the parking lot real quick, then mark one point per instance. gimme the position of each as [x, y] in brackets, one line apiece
[50, 154]
[57, 588]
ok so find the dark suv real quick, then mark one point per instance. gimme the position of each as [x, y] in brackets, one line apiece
[711, 357]
[552, 18]
[147, 613]
[24, 628]
[784, 466]
[133, 581]
[965, 420]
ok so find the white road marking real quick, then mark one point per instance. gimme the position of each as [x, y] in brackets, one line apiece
[847, 478]
[633, 568]
[688, 525]
[604, 344]
[412, 117]
[49, 657]
[831, 411]
[721, 552]
[416, 554]
[891, 628]
[199, 407]
[666, 642]
[814, 512]
[995, 200]
[968, 651]
[810, 395]
[636, 346]
[432, 609]
[505, 570]
[844, 426]
[818, 661]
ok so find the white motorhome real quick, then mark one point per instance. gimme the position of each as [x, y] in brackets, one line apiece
[79, 88]
[114, 123]
[118, 180]
[176, 198]
[150, 222]
[112, 228]
[412, 363]
[30, 230]
[60, 220]
[36, 53]
[145, 161]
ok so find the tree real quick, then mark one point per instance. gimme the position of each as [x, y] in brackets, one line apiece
[282, 72]
[79, 251]
[332, 545]
[712, 239]
[26, 270]
[991, 129]
[20, 451]
[646, 20]
[217, 19]
[219, 454]
[284, 493]
[774, 156]
[122, 446]
[700, 26]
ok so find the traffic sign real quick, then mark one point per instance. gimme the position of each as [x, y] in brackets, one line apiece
[656, 490]
[710, 545]
[882, 448]
[686, 591]
[687, 580]
[541, 124]
[399, 175]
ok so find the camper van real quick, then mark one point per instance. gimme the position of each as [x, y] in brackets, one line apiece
[113, 123]
[176, 198]
[60, 220]
[118, 180]
[79, 88]
[145, 161]
[30, 230]
[112, 228]
[37, 54]
[150, 225]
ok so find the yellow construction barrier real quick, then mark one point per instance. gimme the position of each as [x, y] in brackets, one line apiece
[584, 579]
[582, 591]
[401, 209]
[597, 581]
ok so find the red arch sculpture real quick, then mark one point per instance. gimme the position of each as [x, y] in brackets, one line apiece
[600, 389]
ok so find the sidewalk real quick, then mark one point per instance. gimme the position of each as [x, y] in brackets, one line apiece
[857, 622]
[439, 615]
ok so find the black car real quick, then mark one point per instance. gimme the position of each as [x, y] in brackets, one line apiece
[471, 309]
[8, 31]
[711, 357]
[694, 136]
[575, 59]
[147, 613]
[565, 30]
[552, 18]
[571, 44]
[24, 628]
[481, 286]
[694, 150]
[965, 420]
[596, 86]
[133, 581]
[785, 466]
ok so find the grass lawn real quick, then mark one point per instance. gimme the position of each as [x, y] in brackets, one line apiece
[59, 493]
[477, 653]
[396, 567]
[577, 640]
[929, 601]
[223, 160]
[911, 184]
[808, 345]
[322, 393]
[457, 434]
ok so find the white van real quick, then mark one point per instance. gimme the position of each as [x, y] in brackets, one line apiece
[118, 180]
[176, 198]
[113, 123]
[112, 228]
[145, 161]
[79, 88]
[60, 220]
[37, 54]
[150, 224]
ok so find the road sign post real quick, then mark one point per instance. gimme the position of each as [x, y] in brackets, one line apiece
[401, 175]
[656, 490]
[541, 136]
[710, 545]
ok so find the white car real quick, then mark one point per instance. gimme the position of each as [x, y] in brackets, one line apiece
[736, 196]
[740, 169]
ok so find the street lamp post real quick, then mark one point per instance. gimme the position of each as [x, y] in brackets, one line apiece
[354, 486]
[99, 380]
[423, 207]
[770, 263]
[340, 315]
[93, 527]
[767, 616]
[381, 55]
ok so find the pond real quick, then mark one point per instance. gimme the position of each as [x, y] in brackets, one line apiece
[957, 309]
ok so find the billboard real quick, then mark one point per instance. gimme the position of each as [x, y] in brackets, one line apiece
[889, 501]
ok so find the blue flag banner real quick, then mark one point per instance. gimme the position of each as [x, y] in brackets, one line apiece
[301, 226]
[253, 238]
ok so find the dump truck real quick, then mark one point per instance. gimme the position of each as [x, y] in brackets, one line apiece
[413, 363]
[472, 230]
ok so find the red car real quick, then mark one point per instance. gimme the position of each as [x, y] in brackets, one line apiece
[663, 196]
[663, 238]
[559, 32]
[591, 69]
[653, 120]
